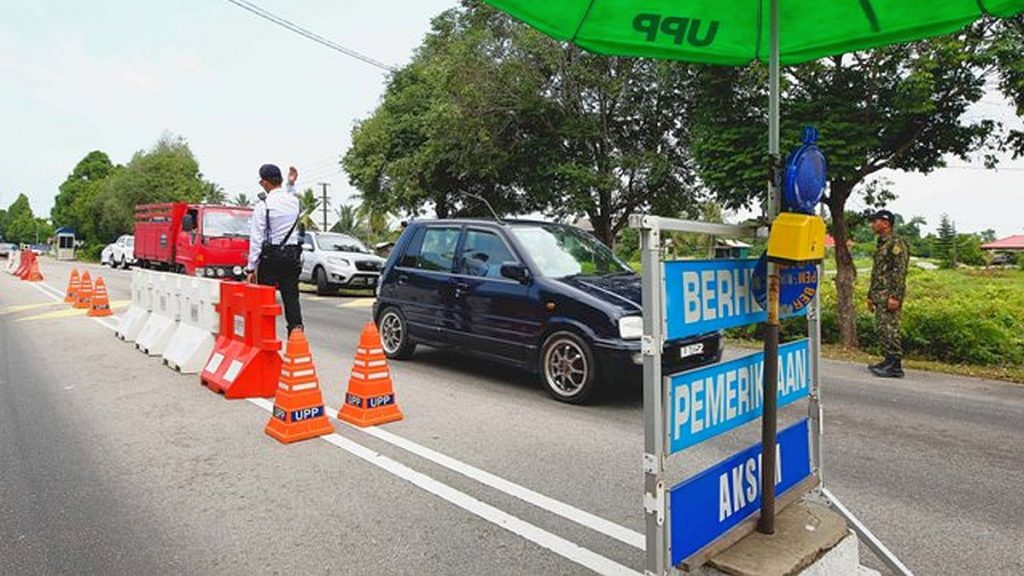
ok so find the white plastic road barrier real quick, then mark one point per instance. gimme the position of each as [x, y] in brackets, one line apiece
[142, 304]
[13, 261]
[192, 342]
[163, 320]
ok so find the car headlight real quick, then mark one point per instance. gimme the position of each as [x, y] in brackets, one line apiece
[237, 270]
[220, 272]
[631, 327]
[200, 271]
[338, 261]
[209, 272]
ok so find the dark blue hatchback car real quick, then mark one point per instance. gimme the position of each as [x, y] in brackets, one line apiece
[546, 297]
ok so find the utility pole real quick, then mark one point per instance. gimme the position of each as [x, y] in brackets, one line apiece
[323, 203]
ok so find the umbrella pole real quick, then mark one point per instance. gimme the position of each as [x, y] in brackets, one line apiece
[769, 420]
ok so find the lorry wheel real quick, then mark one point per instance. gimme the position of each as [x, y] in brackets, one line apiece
[323, 287]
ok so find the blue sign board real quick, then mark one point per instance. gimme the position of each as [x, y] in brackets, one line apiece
[708, 505]
[706, 295]
[709, 401]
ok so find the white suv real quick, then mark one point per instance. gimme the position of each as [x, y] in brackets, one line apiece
[120, 253]
[332, 261]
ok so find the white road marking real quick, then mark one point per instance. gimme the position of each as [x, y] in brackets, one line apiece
[514, 524]
[569, 512]
[59, 295]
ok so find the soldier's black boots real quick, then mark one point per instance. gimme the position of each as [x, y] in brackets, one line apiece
[891, 367]
[878, 364]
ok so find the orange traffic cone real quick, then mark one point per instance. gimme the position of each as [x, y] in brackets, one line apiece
[33, 272]
[84, 300]
[73, 285]
[370, 399]
[298, 406]
[100, 302]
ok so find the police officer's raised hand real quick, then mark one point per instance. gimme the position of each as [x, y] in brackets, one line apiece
[893, 304]
[293, 175]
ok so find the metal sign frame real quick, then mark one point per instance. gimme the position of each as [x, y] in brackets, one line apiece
[656, 514]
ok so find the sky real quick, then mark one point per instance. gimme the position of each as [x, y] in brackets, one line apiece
[114, 76]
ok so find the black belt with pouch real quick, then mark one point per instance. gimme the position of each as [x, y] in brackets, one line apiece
[280, 255]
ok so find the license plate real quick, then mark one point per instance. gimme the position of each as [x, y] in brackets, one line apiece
[691, 350]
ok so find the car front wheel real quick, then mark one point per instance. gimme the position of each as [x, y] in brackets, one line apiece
[323, 286]
[394, 334]
[567, 368]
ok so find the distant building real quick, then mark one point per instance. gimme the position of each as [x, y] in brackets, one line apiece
[1013, 243]
[726, 248]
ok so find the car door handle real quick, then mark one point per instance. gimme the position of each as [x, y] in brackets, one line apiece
[460, 287]
[403, 278]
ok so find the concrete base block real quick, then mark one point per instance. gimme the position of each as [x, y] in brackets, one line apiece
[809, 540]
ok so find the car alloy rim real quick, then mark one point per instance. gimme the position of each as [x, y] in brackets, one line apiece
[565, 367]
[391, 332]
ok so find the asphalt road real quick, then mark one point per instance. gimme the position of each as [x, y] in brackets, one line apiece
[111, 463]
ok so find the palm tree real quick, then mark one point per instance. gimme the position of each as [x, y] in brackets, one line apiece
[308, 203]
[373, 219]
[241, 200]
[348, 221]
[213, 194]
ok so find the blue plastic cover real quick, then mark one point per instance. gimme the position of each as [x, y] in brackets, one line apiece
[806, 177]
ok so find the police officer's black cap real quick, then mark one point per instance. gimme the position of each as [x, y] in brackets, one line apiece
[270, 173]
[884, 215]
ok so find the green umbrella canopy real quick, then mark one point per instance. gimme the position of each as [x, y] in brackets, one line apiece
[737, 32]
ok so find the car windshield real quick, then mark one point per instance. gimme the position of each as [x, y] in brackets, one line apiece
[340, 243]
[559, 251]
[129, 241]
[225, 224]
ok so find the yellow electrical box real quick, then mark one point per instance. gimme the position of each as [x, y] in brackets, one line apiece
[797, 238]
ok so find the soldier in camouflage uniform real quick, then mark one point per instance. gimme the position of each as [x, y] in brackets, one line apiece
[885, 297]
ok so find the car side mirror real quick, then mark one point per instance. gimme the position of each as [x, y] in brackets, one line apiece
[515, 271]
[188, 223]
[307, 248]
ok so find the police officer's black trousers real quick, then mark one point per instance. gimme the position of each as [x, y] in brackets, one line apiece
[284, 275]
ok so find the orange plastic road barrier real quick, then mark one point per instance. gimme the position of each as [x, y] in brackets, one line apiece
[26, 259]
[84, 301]
[33, 271]
[73, 286]
[100, 302]
[246, 359]
[370, 399]
[299, 406]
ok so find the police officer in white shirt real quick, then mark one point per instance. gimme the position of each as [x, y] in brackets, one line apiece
[275, 243]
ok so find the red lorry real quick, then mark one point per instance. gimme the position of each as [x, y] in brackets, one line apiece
[199, 239]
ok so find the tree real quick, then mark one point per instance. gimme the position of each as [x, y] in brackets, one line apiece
[901, 107]
[21, 224]
[213, 194]
[167, 172]
[946, 247]
[3, 223]
[83, 180]
[494, 108]
[308, 203]
[348, 222]
[241, 200]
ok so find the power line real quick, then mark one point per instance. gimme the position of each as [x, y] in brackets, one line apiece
[249, 6]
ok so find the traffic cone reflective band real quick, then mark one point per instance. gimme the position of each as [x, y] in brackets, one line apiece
[370, 399]
[84, 301]
[298, 405]
[73, 285]
[100, 302]
[33, 271]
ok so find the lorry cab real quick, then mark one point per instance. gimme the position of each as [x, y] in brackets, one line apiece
[214, 241]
